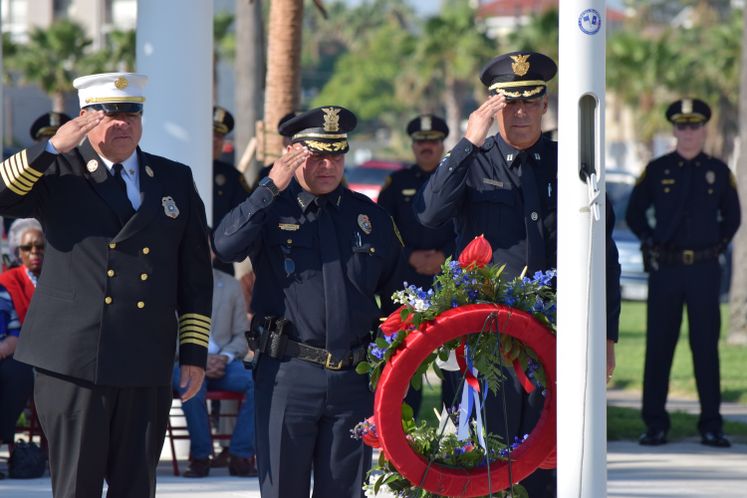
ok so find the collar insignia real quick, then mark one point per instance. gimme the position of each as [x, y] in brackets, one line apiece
[92, 165]
[148, 171]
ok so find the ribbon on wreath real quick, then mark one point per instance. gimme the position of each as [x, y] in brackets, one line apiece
[470, 399]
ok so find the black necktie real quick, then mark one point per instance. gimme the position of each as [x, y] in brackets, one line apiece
[336, 308]
[117, 169]
[532, 216]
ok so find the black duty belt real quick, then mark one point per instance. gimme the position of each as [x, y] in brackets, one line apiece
[270, 337]
[687, 256]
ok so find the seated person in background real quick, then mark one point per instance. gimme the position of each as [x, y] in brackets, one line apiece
[225, 372]
[26, 241]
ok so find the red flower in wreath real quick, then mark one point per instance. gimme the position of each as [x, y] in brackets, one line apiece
[368, 433]
[394, 322]
[477, 253]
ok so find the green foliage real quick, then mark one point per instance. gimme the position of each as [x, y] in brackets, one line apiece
[224, 40]
[52, 56]
[364, 80]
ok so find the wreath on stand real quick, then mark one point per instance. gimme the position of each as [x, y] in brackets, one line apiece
[488, 323]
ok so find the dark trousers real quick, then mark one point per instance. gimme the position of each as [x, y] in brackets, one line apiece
[513, 417]
[304, 417]
[100, 432]
[669, 289]
[16, 385]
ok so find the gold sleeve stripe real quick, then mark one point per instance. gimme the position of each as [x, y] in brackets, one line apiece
[194, 316]
[204, 344]
[194, 326]
[17, 175]
[196, 337]
[185, 330]
[199, 323]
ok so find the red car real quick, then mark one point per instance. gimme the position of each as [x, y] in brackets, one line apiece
[369, 177]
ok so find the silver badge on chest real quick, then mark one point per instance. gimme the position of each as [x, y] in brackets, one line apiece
[169, 207]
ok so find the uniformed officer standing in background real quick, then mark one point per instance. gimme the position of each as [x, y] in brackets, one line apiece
[321, 252]
[127, 267]
[425, 248]
[46, 125]
[43, 127]
[229, 185]
[505, 187]
[696, 208]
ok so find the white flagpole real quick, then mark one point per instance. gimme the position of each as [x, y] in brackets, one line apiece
[582, 427]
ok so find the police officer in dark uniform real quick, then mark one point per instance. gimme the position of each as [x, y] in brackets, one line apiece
[229, 185]
[425, 248]
[696, 207]
[320, 252]
[505, 187]
[127, 269]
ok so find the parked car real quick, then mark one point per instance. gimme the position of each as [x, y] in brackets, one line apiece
[369, 176]
[634, 280]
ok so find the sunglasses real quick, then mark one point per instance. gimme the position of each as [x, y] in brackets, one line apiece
[690, 126]
[39, 246]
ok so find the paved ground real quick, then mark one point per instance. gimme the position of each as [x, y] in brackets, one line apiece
[676, 470]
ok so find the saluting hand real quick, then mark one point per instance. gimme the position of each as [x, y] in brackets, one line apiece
[284, 168]
[190, 378]
[481, 119]
[70, 134]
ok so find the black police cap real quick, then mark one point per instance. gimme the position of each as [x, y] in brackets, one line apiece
[322, 130]
[688, 111]
[286, 117]
[518, 75]
[427, 127]
[222, 120]
[46, 125]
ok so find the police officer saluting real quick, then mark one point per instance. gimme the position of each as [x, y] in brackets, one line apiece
[127, 268]
[505, 187]
[320, 253]
[229, 185]
[697, 213]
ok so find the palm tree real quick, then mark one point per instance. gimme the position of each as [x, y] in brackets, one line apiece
[51, 59]
[249, 71]
[283, 81]
[448, 56]
[738, 294]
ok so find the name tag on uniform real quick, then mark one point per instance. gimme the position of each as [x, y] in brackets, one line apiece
[495, 183]
[667, 181]
[409, 191]
[288, 227]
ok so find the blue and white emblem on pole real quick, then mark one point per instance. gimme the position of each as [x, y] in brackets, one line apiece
[589, 21]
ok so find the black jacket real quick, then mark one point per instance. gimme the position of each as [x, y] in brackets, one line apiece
[114, 290]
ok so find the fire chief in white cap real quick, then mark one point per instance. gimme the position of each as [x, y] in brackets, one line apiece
[127, 272]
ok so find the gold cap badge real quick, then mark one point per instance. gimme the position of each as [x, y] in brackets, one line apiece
[121, 83]
[520, 65]
[425, 123]
[687, 106]
[331, 119]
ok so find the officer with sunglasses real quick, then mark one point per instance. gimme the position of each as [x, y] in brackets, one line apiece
[696, 211]
[127, 270]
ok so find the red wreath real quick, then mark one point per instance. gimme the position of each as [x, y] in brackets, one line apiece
[538, 450]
